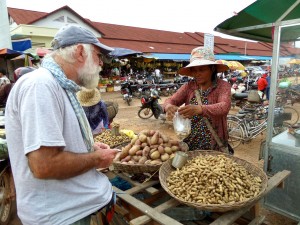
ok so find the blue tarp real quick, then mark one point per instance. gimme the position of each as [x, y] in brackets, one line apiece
[186, 57]
[21, 44]
[120, 52]
[166, 56]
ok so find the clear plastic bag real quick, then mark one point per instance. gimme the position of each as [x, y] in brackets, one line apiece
[182, 126]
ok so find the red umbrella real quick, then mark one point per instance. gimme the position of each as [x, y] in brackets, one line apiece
[41, 52]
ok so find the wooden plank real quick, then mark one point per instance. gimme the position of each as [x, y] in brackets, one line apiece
[152, 190]
[154, 214]
[230, 217]
[128, 179]
[162, 207]
[254, 211]
[257, 221]
[121, 210]
[141, 187]
[125, 177]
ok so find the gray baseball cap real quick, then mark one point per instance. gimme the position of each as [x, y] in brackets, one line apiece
[71, 34]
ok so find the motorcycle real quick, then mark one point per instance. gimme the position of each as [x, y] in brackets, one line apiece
[150, 106]
[125, 91]
[239, 99]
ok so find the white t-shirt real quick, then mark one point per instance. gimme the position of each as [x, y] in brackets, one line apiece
[157, 72]
[39, 113]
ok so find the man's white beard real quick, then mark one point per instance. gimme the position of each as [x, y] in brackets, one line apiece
[89, 74]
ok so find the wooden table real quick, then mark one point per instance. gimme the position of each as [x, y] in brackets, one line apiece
[136, 212]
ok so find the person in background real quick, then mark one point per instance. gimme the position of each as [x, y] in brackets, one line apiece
[21, 71]
[262, 84]
[268, 87]
[157, 72]
[94, 108]
[4, 92]
[3, 77]
[215, 97]
[6, 88]
[51, 148]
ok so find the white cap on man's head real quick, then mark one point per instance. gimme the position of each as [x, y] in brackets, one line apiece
[72, 34]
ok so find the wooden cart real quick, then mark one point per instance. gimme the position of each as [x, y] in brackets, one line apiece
[134, 211]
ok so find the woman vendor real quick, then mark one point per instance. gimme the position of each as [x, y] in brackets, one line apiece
[213, 101]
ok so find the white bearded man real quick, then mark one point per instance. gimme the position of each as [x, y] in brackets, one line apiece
[51, 148]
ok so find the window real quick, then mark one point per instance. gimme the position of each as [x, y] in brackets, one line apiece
[60, 19]
[69, 20]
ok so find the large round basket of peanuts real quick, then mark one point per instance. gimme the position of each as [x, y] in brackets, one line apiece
[213, 181]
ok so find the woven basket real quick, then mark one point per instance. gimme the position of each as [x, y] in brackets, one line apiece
[167, 168]
[142, 168]
[135, 168]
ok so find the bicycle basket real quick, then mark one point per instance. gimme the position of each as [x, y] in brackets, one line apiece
[253, 96]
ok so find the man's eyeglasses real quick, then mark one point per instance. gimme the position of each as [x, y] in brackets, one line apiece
[101, 56]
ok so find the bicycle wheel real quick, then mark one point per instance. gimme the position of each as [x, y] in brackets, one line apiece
[145, 113]
[5, 200]
[295, 115]
[235, 133]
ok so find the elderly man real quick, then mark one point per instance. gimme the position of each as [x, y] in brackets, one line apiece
[51, 148]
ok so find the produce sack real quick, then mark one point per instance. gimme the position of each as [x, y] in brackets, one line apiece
[182, 126]
[284, 84]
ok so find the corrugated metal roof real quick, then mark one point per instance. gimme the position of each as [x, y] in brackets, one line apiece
[186, 57]
[158, 41]
[21, 16]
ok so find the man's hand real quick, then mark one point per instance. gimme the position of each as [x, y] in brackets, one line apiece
[189, 111]
[105, 153]
[102, 145]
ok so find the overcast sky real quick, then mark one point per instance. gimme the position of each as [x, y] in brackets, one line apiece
[170, 15]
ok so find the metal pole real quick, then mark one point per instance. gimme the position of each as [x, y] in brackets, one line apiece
[273, 87]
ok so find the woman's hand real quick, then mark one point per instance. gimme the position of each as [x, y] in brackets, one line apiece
[170, 111]
[189, 111]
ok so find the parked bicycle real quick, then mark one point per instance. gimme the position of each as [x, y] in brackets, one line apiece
[252, 121]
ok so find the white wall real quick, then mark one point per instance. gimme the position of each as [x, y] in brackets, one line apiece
[49, 21]
[5, 40]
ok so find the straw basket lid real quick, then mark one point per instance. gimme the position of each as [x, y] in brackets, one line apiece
[166, 169]
[88, 97]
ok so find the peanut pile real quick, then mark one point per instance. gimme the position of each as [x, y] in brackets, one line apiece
[208, 179]
[112, 140]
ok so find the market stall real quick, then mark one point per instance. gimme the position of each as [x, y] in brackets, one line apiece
[150, 167]
[281, 26]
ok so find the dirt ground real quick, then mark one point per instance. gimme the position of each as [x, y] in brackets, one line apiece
[128, 118]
